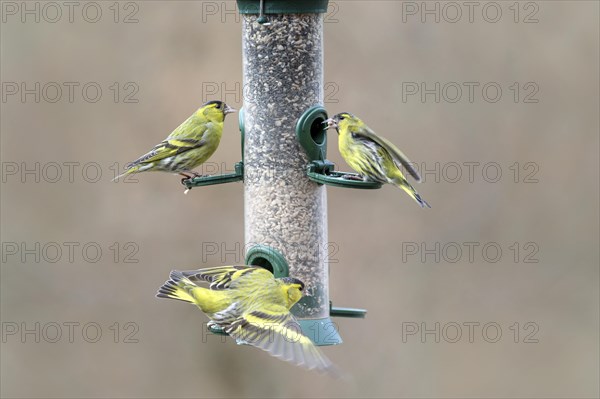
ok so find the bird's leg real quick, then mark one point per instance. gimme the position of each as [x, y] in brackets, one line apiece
[214, 327]
[185, 177]
[191, 173]
[354, 177]
[211, 324]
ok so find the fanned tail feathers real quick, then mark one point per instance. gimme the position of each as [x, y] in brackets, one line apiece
[177, 287]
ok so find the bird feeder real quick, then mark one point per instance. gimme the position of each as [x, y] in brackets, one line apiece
[284, 147]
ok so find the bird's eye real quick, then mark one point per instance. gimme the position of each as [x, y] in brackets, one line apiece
[342, 117]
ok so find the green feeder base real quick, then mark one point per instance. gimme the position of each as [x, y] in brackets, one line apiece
[322, 332]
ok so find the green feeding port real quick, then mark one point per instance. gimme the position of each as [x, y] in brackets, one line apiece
[268, 258]
[237, 175]
[311, 132]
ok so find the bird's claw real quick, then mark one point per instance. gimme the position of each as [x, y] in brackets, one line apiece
[215, 328]
[189, 175]
[187, 188]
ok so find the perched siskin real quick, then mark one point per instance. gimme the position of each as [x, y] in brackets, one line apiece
[252, 306]
[373, 157]
[188, 146]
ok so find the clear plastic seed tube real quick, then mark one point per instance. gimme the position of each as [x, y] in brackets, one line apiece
[283, 77]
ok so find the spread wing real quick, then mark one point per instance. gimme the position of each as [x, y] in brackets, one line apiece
[397, 155]
[168, 148]
[274, 330]
[221, 277]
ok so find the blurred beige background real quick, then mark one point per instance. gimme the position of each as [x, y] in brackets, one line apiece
[174, 54]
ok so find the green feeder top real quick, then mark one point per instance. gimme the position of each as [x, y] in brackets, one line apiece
[282, 6]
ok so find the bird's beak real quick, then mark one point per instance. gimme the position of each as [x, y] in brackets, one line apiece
[228, 109]
[331, 123]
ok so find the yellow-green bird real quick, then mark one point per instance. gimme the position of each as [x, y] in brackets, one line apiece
[372, 156]
[252, 306]
[188, 146]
